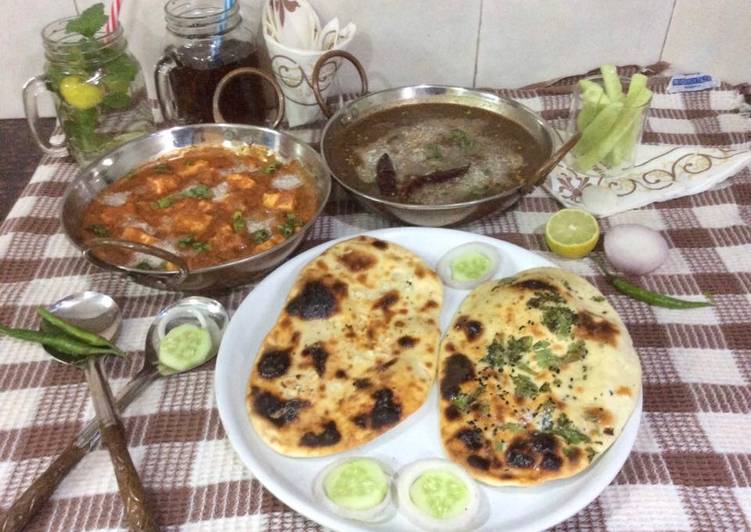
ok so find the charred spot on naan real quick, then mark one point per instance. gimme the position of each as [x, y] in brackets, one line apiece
[318, 354]
[590, 327]
[407, 341]
[472, 438]
[328, 436]
[274, 363]
[456, 370]
[278, 411]
[536, 285]
[540, 449]
[384, 412]
[386, 301]
[357, 261]
[380, 244]
[473, 329]
[319, 299]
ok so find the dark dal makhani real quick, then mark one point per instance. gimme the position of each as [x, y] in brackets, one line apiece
[433, 154]
[208, 205]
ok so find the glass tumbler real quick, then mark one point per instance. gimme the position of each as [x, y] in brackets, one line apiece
[610, 130]
[98, 89]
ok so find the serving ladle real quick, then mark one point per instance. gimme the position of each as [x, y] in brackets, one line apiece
[32, 500]
[99, 314]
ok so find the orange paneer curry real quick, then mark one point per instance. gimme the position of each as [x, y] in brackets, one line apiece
[208, 205]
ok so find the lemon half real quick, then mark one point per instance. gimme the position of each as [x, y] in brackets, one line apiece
[572, 233]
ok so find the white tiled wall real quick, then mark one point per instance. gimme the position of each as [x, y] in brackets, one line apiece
[464, 42]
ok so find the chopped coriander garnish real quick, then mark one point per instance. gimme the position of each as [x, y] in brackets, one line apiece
[462, 139]
[590, 453]
[199, 191]
[499, 446]
[163, 203]
[189, 242]
[544, 416]
[271, 168]
[238, 222]
[566, 429]
[510, 426]
[433, 152]
[261, 235]
[462, 401]
[524, 387]
[546, 359]
[598, 299]
[559, 320]
[500, 354]
[544, 299]
[290, 225]
[100, 230]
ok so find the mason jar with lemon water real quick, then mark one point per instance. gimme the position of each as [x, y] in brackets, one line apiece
[97, 86]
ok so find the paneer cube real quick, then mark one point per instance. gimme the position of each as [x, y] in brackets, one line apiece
[283, 201]
[137, 235]
[191, 222]
[240, 181]
[194, 168]
[162, 184]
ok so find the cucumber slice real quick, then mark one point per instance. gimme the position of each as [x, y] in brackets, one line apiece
[185, 347]
[440, 494]
[598, 128]
[358, 484]
[612, 82]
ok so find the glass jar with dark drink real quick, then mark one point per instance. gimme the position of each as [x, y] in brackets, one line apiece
[205, 41]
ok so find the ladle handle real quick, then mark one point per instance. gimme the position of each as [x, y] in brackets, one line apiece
[315, 81]
[32, 500]
[131, 491]
[554, 159]
[129, 483]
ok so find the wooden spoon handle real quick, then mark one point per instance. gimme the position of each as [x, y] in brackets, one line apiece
[131, 491]
[32, 500]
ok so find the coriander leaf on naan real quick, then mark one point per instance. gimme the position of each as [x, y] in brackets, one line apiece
[353, 352]
[538, 376]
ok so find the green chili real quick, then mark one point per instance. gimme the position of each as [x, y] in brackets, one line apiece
[74, 331]
[647, 296]
[66, 344]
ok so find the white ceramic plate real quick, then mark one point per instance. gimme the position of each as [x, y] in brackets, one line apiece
[291, 479]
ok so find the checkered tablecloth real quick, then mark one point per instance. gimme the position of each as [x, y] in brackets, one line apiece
[690, 468]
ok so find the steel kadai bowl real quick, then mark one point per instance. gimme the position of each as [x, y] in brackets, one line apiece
[140, 151]
[346, 119]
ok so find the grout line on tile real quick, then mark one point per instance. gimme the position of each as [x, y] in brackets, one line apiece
[667, 30]
[477, 45]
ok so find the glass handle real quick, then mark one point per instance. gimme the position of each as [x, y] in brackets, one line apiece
[31, 91]
[163, 88]
[247, 71]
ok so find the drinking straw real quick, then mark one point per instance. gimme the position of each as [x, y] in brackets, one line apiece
[112, 21]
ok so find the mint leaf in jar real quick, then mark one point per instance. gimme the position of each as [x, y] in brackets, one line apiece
[116, 100]
[88, 22]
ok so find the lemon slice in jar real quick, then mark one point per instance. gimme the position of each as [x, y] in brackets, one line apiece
[80, 94]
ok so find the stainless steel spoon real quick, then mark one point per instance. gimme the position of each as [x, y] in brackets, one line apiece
[32, 500]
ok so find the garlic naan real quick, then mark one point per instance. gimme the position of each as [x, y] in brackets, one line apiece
[538, 376]
[353, 352]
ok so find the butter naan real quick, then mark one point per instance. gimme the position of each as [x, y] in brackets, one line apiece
[353, 352]
[538, 376]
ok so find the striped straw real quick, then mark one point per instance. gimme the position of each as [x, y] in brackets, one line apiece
[112, 21]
